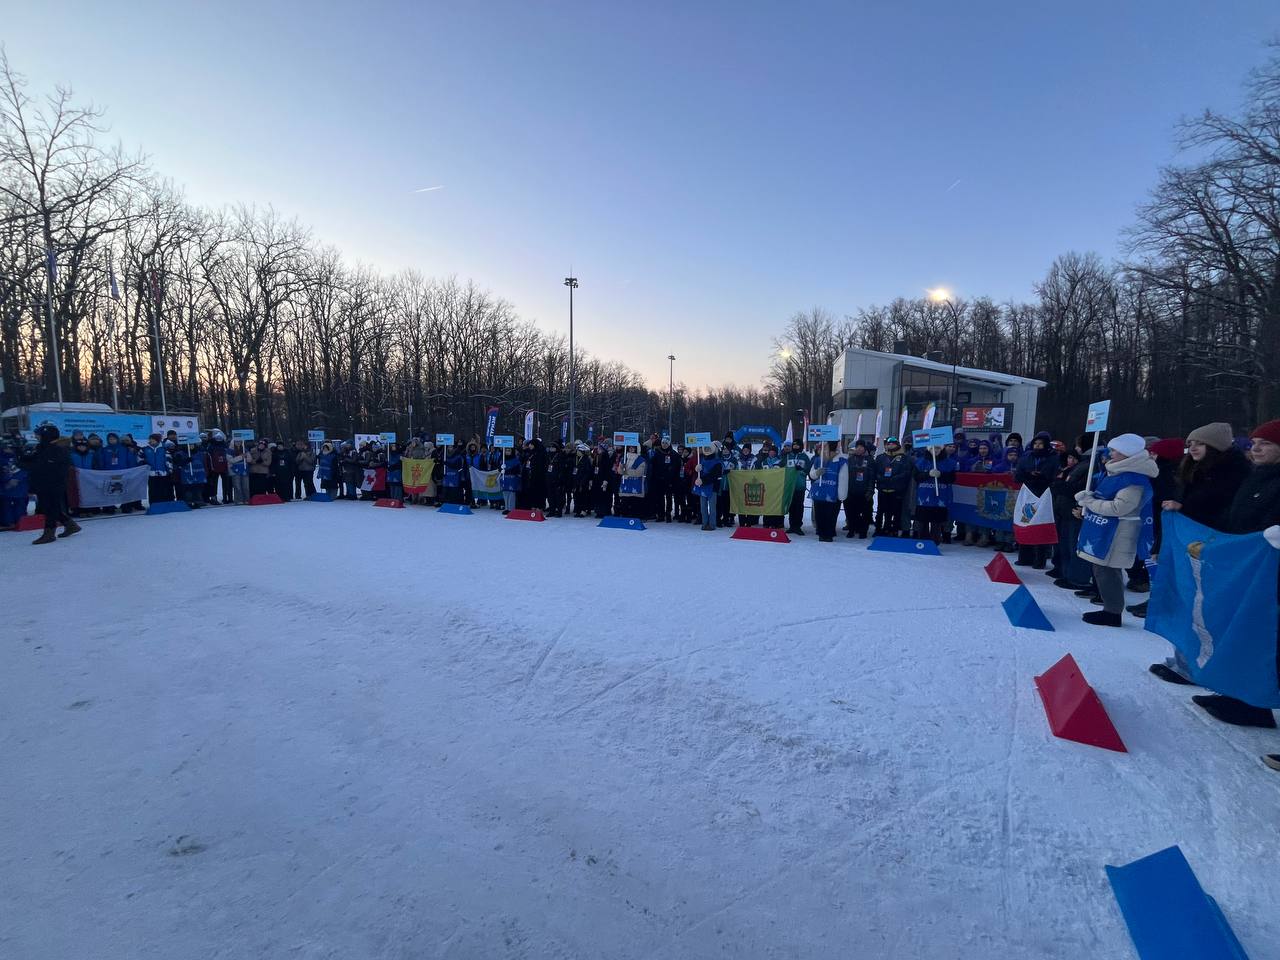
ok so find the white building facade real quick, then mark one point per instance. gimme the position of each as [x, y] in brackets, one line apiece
[976, 402]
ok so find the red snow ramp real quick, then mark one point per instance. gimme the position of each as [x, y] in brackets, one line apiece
[765, 534]
[264, 499]
[1073, 708]
[33, 522]
[389, 502]
[999, 571]
[526, 515]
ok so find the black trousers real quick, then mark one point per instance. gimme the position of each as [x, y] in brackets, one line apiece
[303, 485]
[284, 485]
[795, 516]
[824, 518]
[259, 483]
[889, 517]
[857, 513]
[159, 489]
[52, 505]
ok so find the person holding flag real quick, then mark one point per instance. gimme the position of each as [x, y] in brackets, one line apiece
[830, 489]
[1117, 523]
[1036, 470]
[935, 473]
[800, 462]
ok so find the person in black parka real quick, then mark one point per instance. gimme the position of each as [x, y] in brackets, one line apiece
[48, 468]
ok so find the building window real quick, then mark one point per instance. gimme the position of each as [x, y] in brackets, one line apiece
[864, 399]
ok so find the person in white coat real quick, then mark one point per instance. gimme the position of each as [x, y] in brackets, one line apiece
[830, 488]
[1117, 522]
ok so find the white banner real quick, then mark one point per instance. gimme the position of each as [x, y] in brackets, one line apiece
[528, 425]
[111, 488]
[187, 427]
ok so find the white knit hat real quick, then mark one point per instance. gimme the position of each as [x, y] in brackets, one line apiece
[1129, 444]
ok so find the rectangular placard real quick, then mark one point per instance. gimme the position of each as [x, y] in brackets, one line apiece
[444, 439]
[388, 437]
[818, 432]
[504, 443]
[1099, 413]
[315, 436]
[622, 438]
[242, 435]
[697, 439]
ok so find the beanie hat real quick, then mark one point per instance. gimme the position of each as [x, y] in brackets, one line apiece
[1168, 449]
[1267, 431]
[1129, 444]
[1216, 435]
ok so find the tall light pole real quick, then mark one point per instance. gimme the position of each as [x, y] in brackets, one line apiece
[671, 394]
[943, 295]
[572, 284]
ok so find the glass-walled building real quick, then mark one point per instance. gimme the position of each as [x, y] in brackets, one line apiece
[865, 382]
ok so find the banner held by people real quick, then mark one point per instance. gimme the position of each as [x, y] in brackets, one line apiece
[1214, 598]
[417, 475]
[764, 493]
[111, 488]
[486, 484]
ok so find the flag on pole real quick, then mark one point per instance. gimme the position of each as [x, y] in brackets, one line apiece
[879, 424]
[375, 480]
[416, 475]
[564, 429]
[52, 257]
[490, 426]
[929, 412]
[902, 423]
[787, 441]
[111, 276]
[591, 431]
[857, 428]
[1033, 523]
[486, 484]
[528, 425]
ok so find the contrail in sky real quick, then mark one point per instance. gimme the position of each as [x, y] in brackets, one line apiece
[441, 187]
[952, 187]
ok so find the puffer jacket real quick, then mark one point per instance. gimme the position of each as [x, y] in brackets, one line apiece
[1127, 505]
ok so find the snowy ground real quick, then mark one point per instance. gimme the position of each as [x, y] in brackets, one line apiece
[328, 730]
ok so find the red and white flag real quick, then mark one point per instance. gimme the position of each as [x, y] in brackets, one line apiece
[375, 480]
[1033, 523]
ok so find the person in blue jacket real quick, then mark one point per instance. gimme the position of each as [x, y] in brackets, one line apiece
[190, 465]
[82, 458]
[510, 480]
[327, 468]
[451, 483]
[933, 493]
[830, 475]
[706, 483]
[14, 489]
[160, 466]
[862, 488]
[395, 473]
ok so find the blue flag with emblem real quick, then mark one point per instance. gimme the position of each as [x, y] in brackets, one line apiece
[1214, 598]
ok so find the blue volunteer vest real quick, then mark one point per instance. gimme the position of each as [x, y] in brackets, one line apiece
[827, 487]
[193, 472]
[1098, 533]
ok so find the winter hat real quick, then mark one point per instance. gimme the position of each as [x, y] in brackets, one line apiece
[1267, 431]
[1129, 444]
[1171, 448]
[1216, 435]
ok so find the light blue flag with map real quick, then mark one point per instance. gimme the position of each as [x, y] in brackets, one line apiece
[1213, 597]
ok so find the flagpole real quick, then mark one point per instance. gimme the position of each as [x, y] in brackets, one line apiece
[155, 330]
[50, 265]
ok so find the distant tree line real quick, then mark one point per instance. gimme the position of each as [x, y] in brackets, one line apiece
[110, 278]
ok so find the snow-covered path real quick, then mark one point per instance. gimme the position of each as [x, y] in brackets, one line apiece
[327, 730]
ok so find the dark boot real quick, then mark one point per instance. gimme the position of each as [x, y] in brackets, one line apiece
[69, 528]
[1236, 712]
[1100, 618]
[1169, 675]
[1138, 609]
[46, 537]
[1272, 760]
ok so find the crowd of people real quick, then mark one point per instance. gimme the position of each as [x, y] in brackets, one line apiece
[1108, 522]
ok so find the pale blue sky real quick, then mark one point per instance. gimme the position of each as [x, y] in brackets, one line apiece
[706, 168]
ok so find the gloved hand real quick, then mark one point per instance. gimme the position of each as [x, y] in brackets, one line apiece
[1272, 534]
[935, 474]
[1084, 495]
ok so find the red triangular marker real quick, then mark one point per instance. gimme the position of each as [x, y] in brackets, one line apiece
[1073, 708]
[999, 571]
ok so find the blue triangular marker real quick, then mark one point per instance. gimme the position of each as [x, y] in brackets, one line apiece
[923, 548]
[1023, 611]
[621, 523]
[461, 509]
[167, 506]
[1168, 913]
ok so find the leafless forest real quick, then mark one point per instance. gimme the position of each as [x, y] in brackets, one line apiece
[261, 326]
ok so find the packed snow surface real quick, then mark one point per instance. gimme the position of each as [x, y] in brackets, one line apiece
[336, 731]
